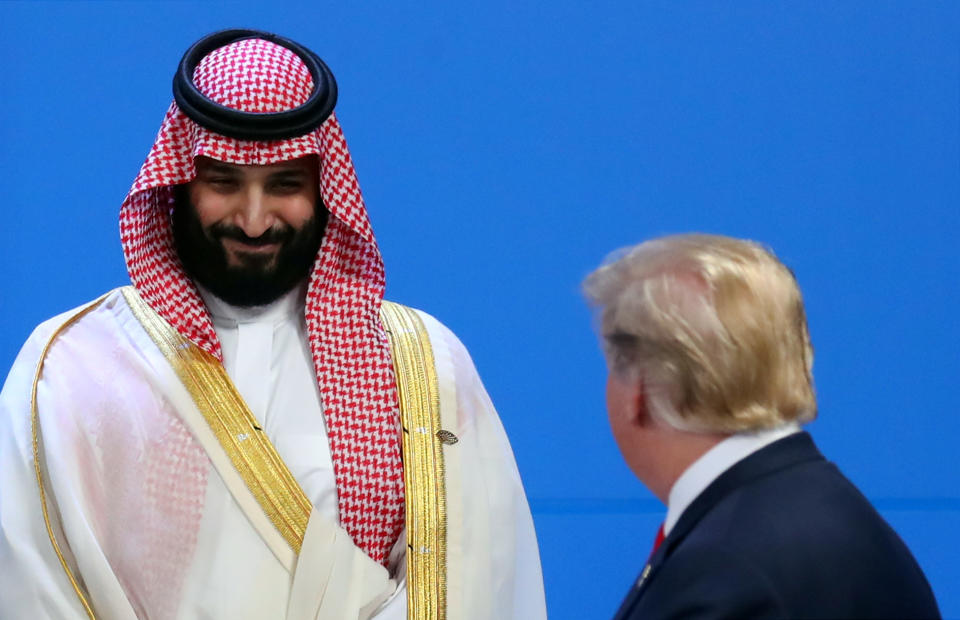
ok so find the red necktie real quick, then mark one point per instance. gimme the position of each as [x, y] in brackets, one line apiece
[657, 540]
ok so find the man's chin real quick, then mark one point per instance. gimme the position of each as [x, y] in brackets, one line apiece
[253, 276]
[258, 267]
[246, 287]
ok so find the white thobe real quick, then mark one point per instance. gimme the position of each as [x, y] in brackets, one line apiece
[267, 355]
[154, 524]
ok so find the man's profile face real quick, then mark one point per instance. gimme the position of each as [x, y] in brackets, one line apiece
[249, 233]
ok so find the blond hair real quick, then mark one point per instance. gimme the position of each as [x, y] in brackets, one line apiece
[713, 327]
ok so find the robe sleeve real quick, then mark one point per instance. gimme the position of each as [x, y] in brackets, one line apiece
[34, 584]
[493, 562]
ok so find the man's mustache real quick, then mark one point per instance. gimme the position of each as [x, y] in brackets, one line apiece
[280, 234]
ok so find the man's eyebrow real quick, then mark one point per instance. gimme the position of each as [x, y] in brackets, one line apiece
[218, 167]
[290, 172]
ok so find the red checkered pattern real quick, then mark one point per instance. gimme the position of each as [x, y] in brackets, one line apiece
[272, 77]
[351, 352]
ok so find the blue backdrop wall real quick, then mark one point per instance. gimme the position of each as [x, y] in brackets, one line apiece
[505, 147]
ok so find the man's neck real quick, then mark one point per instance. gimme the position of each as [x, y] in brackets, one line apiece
[707, 467]
[678, 450]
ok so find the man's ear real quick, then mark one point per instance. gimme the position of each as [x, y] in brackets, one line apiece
[639, 414]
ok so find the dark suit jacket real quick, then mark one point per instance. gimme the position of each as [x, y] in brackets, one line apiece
[781, 534]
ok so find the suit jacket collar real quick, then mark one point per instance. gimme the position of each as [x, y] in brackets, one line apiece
[783, 453]
[787, 452]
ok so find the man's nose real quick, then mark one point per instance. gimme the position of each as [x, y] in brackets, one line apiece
[255, 216]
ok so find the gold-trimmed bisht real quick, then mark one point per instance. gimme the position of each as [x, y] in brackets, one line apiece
[234, 425]
[423, 471]
[265, 473]
[37, 452]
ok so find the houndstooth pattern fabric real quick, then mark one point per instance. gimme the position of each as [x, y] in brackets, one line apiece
[272, 79]
[351, 352]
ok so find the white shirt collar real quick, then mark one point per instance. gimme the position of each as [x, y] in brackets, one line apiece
[714, 462]
[290, 303]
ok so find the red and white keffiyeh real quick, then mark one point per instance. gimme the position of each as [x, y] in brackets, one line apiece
[351, 353]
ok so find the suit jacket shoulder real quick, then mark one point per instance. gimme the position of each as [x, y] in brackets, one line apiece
[782, 533]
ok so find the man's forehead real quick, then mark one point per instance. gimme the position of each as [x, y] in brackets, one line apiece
[305, 164]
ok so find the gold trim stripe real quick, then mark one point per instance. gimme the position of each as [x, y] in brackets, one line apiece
[233, 424]
[35, 431]
[423, 472]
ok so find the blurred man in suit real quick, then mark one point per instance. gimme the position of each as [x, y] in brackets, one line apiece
[710, 379]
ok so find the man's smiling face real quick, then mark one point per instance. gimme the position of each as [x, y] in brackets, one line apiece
[249, 234]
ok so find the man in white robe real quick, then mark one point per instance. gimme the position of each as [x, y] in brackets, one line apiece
[249, 431]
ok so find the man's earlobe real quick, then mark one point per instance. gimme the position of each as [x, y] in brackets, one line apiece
[640, 414]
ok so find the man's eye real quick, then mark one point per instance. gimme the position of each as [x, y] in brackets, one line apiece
[222, 184]
[288, 186]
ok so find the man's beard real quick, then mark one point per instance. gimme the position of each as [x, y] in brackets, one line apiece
[256, 279]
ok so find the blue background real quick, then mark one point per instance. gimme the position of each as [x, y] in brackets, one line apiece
[505, 147]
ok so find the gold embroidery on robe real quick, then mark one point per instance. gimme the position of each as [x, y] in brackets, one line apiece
[232, 422]
[423, 472]
[38, 460]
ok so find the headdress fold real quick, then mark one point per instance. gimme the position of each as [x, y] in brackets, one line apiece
[351, 352]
